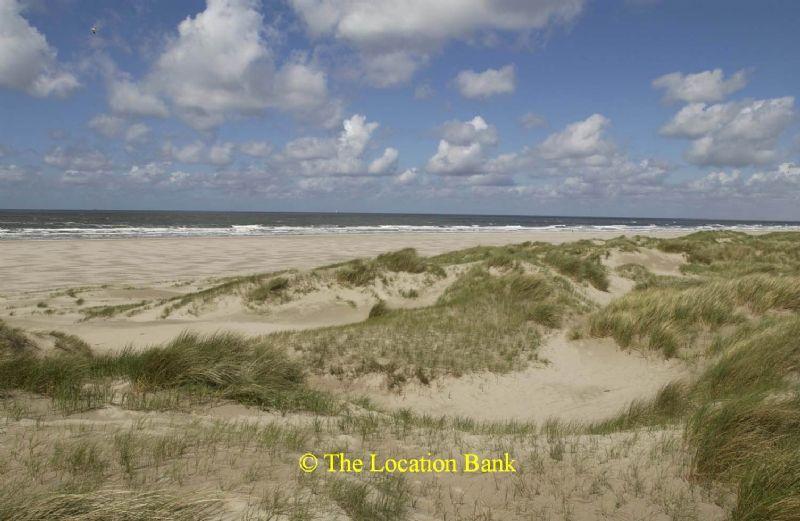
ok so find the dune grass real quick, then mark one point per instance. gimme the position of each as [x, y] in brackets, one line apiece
[225, 365]
[669, 318]
[482, 322]
[17, 504]
[272, 288]
[579, 261]
[110, 311]
[361, 272]
[13, 341]
[733, 254]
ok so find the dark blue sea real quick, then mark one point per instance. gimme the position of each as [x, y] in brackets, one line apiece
[64, 224]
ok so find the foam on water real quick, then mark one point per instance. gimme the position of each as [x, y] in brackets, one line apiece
[50, 224]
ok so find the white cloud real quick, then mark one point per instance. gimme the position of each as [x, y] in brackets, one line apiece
[386, 164]
[131, 99]
[158, 174]
[77, 159]
[190, 153]
[395, 37]
[490, 82]
[778, 183]
[424, 91]
[27, 62]
[108, 126]
[408, 177]
[582, 140]
[220, 66]
[462, 149]
[13, 174]
[137, 133]
[390, 68]
[531, 120]
[785, 180]
[717, 182]
[256, 148]
[707, 86]
[734, 133]
[465, 132]
[214, 153]
[221, 153]
[341, 156]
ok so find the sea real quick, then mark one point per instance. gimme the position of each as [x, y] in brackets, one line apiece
[101, 224]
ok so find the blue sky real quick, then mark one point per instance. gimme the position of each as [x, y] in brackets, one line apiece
[571, 107]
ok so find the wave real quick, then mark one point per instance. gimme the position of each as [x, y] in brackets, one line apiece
[257, 230]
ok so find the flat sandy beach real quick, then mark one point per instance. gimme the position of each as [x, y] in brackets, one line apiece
[49, 264]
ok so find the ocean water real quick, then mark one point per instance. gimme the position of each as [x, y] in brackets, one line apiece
[67, 224]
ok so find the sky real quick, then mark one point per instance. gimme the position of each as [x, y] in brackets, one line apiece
[637, 108]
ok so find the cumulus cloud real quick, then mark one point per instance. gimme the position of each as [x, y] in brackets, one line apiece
[462, 149]
[718, 182]
[219, 66]
[72, 158]
[408, 177]
[221, 153]
[582, 141]
[531, 120]
[137, 133]
[256, 148]
[200, 152]
[386, 164]
[734, 133]
[781, 182]
[391, 68]
[490, 82]
[395, 38]
[158, 174]
[131, 99]
[707, 86]
[106, 125]
[13, 174]
[340, 156]
[784, 180]
[27, 62]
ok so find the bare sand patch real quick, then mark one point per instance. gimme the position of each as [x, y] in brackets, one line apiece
[657, 262]
[583, 380]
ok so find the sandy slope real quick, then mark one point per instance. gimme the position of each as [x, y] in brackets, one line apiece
[584, 380]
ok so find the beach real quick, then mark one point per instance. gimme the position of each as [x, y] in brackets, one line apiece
[50, 264]
[580, 354]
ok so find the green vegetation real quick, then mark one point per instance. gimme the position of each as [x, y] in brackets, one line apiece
[387, 500]
[668, 319]
[482, 322]
[224, 365]
[378, 310]
[268, 290]
[110, 311]
[13, 341]
[70, 344]
[356, 273]
[362, 272]
[741, 311]
[578, 264]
